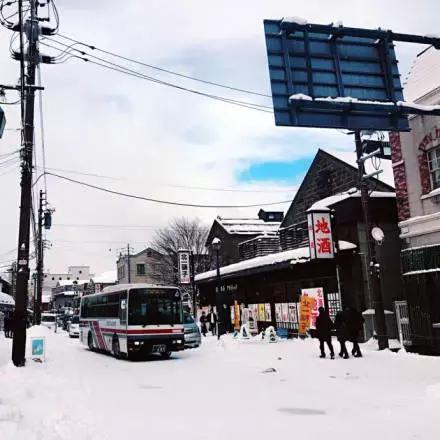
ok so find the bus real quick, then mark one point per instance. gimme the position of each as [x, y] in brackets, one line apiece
[129, 319]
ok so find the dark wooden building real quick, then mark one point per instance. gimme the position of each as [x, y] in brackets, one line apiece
[234, 231]
[280, 276]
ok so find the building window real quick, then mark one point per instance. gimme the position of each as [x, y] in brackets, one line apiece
[80, 271]
[140, 269]
[434, 167]
[60, 278]
[68, 278]
[53, 278]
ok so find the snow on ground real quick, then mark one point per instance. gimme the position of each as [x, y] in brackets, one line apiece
[219, 392]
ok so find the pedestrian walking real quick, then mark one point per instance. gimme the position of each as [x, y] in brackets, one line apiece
[212, 320]
[203, 321]
[8, 325]
[324, 327]
[355, 322]
[342, 333]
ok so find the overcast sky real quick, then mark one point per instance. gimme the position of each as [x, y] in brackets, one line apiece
[148, 137]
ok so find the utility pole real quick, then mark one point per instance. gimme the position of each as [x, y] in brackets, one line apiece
[193, 284]
[31, 28]
[40, 260]
[128, 263]
[373, 271]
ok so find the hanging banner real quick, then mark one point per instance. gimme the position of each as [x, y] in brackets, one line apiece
[317, 293]
[305, 317]
[236, 316]
[183, 265]
[320, 235]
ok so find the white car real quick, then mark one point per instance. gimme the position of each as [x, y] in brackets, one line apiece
[73, 327]
[48, 319]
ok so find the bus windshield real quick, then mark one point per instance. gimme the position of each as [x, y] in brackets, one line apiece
[154, 306]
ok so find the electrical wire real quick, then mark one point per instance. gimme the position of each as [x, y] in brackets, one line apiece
[130, 72]
[161, 69]
[163, 202]
[197, 188]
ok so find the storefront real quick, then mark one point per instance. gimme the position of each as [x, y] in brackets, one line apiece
[268, 288]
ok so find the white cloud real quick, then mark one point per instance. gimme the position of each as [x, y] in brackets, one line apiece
[103, 122]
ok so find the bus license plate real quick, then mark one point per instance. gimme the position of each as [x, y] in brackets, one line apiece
[159, 348]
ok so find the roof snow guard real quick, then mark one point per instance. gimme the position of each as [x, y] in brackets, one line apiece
[248, 226]
[332, 76]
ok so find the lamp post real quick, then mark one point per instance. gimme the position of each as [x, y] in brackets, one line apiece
[216, 246]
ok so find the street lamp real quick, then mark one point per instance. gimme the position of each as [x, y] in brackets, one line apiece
[216, 246]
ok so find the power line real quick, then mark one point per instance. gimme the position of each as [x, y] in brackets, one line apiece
[163, 202]
[130, 72]
[198, 188]
[161, 69]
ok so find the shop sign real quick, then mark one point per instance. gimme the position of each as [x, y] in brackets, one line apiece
[320, 235]
[305, 317]
[236, 316]
[183, 265]
[317, 293]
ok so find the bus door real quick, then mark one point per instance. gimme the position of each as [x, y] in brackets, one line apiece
[123, 308]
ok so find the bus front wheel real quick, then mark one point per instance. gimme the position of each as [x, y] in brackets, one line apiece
[166, 355]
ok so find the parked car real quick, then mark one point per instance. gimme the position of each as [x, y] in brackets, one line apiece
[48, 320]
[66, 321]
[192, 334]
[73, 327]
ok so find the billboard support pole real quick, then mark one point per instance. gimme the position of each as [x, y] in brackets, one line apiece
[374, 269]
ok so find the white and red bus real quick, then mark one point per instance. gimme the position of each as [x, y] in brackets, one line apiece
[132, 318]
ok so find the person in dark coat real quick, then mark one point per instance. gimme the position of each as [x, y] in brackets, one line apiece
[324, 327]
[355, 322]
[203, 321]
[342, 333]
[6, 325]
[212, 320]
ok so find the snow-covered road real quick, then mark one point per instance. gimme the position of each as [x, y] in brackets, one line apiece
[219, 392]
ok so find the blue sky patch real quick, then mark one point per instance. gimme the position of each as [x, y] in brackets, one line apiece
[283, 171]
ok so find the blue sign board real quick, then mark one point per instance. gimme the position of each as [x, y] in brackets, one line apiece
[38, 348]
[333, 77]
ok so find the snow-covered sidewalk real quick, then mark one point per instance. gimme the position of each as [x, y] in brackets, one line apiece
[219, 392]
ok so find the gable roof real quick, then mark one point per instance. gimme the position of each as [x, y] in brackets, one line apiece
[347, 161]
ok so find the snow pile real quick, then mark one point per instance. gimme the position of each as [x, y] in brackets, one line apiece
[433, 391]
[77, 394]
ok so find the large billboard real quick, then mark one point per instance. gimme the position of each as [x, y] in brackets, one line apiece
[333, 76]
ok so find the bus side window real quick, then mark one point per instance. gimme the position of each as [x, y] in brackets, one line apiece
[123, 307]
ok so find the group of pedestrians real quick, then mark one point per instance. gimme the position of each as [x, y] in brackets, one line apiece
[208, 322]
[348, 323]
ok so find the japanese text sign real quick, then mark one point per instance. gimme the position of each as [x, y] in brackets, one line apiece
[320, 235]
[184, 269]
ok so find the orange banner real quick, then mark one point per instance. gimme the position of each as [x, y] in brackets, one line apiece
[305, 317]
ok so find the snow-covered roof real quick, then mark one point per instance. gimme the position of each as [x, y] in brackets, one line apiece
[106, 277]
[6, 299]
[300, 255]
[249, 226]
[332, 200]
[387, 176]
[62, 283]
[424, 78]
